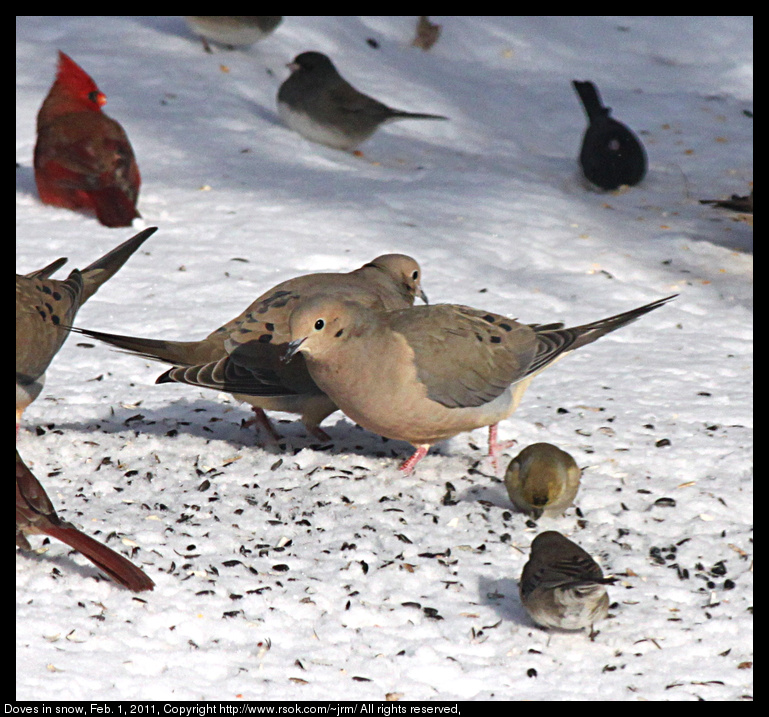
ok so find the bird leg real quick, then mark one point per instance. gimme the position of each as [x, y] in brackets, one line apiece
[495, 447]
[260, 420]
[318, 432]
[408, 465]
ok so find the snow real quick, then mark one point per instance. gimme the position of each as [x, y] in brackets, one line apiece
[362, 582]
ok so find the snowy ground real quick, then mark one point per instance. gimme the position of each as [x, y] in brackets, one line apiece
[366, 583]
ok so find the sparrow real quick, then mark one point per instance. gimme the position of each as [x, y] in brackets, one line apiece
[562, 586]
[318, 103]
[612, 155]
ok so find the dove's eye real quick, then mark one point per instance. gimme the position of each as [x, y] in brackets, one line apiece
[319, 324]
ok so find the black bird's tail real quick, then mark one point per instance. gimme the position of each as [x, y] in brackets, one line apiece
[591, 100]
[400, 114]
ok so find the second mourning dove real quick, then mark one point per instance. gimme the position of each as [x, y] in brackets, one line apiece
[44, 306]
[235, 357]
[35, 515]
[318, 103]
[430, 372]
[542, 479]
[611, 155]
[562, 586]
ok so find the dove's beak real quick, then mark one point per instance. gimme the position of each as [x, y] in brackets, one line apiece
[293, 347]
[422, 295]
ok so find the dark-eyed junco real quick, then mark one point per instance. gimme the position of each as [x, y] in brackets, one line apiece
[232, 30]
[318, 103]
[562, 586]
[542, 479]
[611, 154]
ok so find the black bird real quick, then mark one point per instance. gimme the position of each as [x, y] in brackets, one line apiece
[611, 153]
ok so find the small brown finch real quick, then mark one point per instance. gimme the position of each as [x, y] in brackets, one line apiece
[542, 480]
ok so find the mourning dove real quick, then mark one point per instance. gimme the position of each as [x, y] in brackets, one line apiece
[45, 307]
[318, 103]
[232, 30]
[542, 479]
[428, 373]
[611, 155]
[236, 357]
[35, 515]
[562, 586]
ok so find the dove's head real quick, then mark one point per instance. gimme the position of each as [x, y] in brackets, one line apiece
[324, 324]
[404, 272]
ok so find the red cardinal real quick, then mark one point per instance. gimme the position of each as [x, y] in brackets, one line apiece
[83, 159]
[35, 515]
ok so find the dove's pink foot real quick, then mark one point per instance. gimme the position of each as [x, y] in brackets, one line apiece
[496, 448]
[408, 466]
